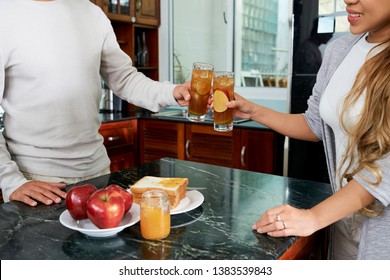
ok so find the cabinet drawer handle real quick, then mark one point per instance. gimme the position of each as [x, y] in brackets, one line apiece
[187, 148]
[113, 138]
[138, 5]
[243, 156]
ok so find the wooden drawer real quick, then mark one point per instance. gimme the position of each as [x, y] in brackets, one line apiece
[122, 160]
[121, 142]
[121, 133]
[161, 139]
[204, 144]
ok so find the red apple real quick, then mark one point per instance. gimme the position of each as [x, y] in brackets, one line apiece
[105, 209]
[128, 197]
[76, 200]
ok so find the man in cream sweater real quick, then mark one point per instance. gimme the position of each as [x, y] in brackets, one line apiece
[53, 54]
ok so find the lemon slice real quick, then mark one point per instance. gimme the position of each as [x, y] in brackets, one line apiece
[220, 100]
[203, 87]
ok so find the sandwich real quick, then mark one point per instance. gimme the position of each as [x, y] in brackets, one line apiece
[175, 188]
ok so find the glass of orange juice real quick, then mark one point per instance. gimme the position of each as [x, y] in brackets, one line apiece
[155, 215]
[223, 92]
[202, 76]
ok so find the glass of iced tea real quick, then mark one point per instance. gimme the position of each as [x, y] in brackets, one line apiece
[223, 92]
[202, 76]
[155, 217]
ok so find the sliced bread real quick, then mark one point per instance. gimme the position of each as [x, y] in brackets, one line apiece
[175, 188]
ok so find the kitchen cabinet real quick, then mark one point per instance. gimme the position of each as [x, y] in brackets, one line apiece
[261, 150]
[142, 12]
[147, 12]
[313, 247]
[118, 10]
[130, 20]
[248, 149]
[121, 142]
[204, 144]
[161, 139]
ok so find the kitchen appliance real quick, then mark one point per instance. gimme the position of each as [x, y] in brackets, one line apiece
[109, 102]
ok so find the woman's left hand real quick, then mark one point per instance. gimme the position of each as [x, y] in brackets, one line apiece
[286, 220]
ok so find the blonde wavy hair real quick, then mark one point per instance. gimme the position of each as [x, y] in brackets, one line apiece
[369, 138]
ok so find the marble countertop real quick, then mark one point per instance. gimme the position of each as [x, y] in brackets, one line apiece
[218, 229]
[174, 114]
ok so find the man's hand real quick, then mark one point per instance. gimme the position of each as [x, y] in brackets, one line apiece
[181, 93]
[33, 192]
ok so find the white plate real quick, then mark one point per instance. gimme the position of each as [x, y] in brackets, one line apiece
[192, 200]
[87, 227]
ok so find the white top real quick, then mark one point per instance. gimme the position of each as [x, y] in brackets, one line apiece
[336, 91]
[347, 235]
[52, 55]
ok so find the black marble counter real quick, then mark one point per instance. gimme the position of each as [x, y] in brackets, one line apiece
[171, 114]
[120, 116]
[218, 229]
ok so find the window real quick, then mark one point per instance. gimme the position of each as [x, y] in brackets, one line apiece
[250, 37]
[336, 10]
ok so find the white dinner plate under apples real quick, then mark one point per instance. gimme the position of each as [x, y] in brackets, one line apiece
[88, 228]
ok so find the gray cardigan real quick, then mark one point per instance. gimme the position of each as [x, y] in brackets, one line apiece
[373, 243]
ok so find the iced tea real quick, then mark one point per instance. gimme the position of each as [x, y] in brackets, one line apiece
[202, 76]
[223, 93]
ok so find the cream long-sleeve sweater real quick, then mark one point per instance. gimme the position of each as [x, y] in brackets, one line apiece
[52, 55]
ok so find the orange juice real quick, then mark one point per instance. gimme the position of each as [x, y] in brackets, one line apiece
[155, 223]
[155, 217]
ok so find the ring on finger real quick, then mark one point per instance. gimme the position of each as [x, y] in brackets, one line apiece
[284, 224]
[278, 218]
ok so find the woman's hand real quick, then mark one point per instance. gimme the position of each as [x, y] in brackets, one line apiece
[243, 108]
[286, 221]
[33, 192]
[181, 93]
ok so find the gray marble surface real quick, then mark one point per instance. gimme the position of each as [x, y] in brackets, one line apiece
[218, 229]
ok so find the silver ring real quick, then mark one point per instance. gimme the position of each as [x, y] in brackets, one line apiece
[284, 224]
[278, 218]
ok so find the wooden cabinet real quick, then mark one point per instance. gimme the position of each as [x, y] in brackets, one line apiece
[313, 247]
[204, 144]
[253, 150]
[147, 12]
[261, 150]
[130, 20]
[161, 139]
[121, 142]
[117, 10]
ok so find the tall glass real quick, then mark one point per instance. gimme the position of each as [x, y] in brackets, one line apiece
[223, 93]
[155, 217]
[202, 76]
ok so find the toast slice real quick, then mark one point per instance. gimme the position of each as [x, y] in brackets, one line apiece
[175, 188]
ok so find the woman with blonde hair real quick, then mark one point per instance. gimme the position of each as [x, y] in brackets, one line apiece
[349, 110]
